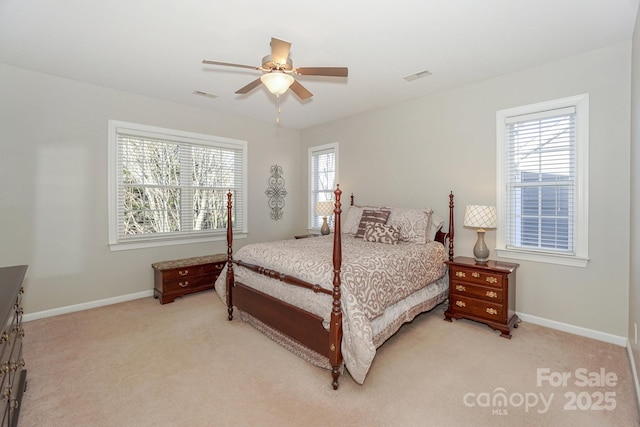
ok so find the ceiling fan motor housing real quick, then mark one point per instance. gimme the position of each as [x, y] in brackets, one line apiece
[269, 65]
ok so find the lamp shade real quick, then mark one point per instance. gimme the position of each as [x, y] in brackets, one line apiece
[324, 208]
[479, 216]
[277, 82]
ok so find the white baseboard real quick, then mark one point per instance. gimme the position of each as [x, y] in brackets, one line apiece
[634, 371]
[576, 330]
[86, 306]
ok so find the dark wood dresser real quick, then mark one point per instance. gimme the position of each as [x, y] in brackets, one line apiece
[13, 375]
[179, 277]
[483, 292]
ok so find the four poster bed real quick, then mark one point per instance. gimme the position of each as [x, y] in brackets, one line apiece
[337, 298]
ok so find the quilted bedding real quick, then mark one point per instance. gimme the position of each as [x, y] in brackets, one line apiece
[374, 276]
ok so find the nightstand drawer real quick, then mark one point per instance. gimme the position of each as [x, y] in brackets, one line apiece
[476, 276]
[489, 294]
[478, 308]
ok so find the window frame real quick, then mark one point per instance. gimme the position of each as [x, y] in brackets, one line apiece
[116, 242]
[580, 258]
[313, 151]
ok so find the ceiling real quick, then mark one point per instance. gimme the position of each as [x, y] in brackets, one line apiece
[156, 47]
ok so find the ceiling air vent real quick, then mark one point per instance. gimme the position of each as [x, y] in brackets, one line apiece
[418, 75]
[201, 93]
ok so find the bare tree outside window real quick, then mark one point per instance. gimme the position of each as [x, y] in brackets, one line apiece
[172, 187]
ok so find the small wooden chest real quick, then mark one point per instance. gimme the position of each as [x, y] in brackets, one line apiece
[179, 277]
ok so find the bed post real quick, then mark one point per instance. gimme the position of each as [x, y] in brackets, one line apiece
[451, 223]
[335, 327]
[230, 278]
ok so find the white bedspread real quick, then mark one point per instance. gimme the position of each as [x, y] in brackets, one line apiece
[374, 276]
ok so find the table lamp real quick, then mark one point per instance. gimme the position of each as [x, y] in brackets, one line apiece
[480, 217]
[324, 209]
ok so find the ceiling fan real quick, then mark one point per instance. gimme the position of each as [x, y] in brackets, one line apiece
[278, 71]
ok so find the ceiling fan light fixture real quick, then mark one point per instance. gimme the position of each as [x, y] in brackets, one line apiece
[277, 82]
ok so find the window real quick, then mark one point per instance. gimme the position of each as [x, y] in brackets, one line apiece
[542, 180]
[168, 187]
[323, 167]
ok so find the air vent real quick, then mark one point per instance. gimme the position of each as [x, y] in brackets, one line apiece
[418, 75]
[201, 93]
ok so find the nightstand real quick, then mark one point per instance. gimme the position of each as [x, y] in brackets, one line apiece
[304, 236]
[483, 292]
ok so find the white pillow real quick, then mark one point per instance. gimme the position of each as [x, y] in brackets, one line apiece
[413, 224]
[352, 220]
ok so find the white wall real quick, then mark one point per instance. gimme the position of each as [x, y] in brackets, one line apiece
[414, 153]
[53, 185]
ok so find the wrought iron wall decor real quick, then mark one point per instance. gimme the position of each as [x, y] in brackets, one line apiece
[276, 192]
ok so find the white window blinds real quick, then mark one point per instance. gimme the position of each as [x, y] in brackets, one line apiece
[322, 179]
[173, 185]
[541, 181]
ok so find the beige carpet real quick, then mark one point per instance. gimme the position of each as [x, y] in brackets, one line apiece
[140, 363]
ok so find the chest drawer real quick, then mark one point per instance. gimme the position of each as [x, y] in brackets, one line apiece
[194, 271]
[188, 282]
[12, 366]
[474, 276]
[176, 278]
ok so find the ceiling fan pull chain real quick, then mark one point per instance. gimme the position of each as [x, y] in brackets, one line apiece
[279, 109]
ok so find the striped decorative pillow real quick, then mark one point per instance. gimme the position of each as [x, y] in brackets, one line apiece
[376, 217]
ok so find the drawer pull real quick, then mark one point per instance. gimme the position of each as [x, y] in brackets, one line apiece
[183, 285]
[183, 272]
[492, 294]
[460, 274]
[492, 279]
[461, 304]
[461, 288]
[492, 311]
[475, 274]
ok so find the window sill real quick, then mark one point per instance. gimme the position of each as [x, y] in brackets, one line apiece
[572, 261]
[142, 244]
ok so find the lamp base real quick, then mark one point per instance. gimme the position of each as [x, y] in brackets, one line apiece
[325, 227]
[480, 250]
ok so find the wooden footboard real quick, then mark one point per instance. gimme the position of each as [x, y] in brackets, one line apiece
[298, 324]
[302, 326]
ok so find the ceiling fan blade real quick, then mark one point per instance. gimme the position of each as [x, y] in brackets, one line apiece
[280, 50]
[249, 87]
[229, 64]
[300, 90]
[323, 71]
